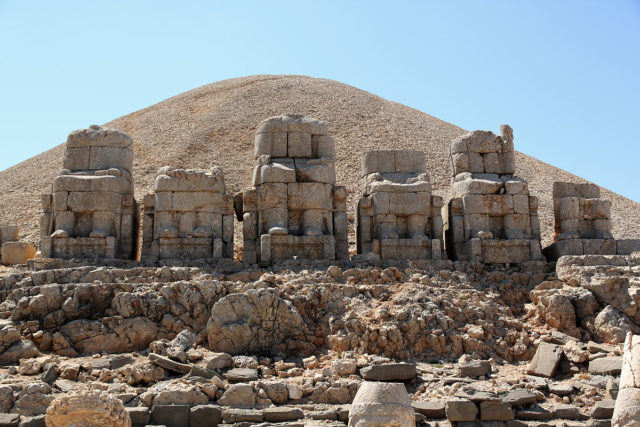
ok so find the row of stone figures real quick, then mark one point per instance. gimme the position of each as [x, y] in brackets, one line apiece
[294, 209]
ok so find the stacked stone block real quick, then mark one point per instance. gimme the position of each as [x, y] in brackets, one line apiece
[13, 251]
[491, 217]
[582, 222]
[91, 212]
[189, 216]
[398, 217]
[294, 208]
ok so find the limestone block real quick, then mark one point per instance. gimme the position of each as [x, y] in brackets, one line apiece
[455, 206]
[495, 251]
[186, 223]
[596, 208]
[339, 199]
[45, 225]
[76, 158]
[474, 223]
[46, 202]
[282, 171]
[8, 233]
[272, 195]
[116, 184]
[627, 246]
[476, 163]
[17, 252]
[533, 205]
[102, 158]
[60, 199]
[250, 200]
[271, 144]
[227, 228]
[379, 404]
[411, 249]
[598, 246]
[515, 186]
[197, 201]
[489, 204]
[516, 226]
[276, 248]
[410, 161]
[87, 407]
[163, 201]
[460, 163]
[299, 144]
[322, 146]
[340, 225]
[94, 201]
[378, 162]
[521, 204]
[436, 203]
[309, 195]
[535, 226]
[65, 221]
[250, 225]
[437, 227]
[476, 186]
[313, 171]
[569, 225]
[380, 202]
[492, 163]
[98, 136]
[509, 163]
[409, 203]
[293, 123]
[480, 141]
[602, 227]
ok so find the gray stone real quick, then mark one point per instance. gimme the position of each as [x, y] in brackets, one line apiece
[203, 415]
[433, 410]
[475, 368]
[546, 360]
[282, 413]
[381, 404]
[171, 365]
[458, 410]
[495, 411]
[9, 420]
[568, 412]
[241, 375]
[520, 397]
[139, 415]
[535, 413]
[37, 421]
[170, 415]
[561, 389]
[241, 415]
[389, 372]
[606, 366]
[603, 409]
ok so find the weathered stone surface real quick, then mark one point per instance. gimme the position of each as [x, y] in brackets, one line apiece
[238, 416]
[381, 404]
[87, 408]
[139, 415]
[535, 413]
[257, 321]
[495, 411]
[474, 368]
[460, 410]
[344, 367]
[546, 360]
[432, 410]
[202, 415]
[606, 366]
[9, 420]
[603, 409]
[389, 372]
[520, 397]
[17, 253]
[170, 415]
[241, 374]
[282, 413]
[239, 396]
[568, 412]
[627, 404]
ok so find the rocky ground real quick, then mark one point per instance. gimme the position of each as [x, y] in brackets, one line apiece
[527, 345]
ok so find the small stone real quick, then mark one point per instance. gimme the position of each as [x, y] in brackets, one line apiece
[282, 413]
[520, 397]
[241, 375]
[295, 391]
[561, 389]
[344, 367]
[568, 412]
[603, 409]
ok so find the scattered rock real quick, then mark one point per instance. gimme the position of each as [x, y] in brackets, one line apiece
[93, 408]
[389, 372]
[239, 396]
[460, 410]
[546, 360]
[495, 411]
[606, 366]
[433, 410]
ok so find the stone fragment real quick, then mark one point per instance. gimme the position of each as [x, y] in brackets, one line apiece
[519, 397]
[139, 415]
[381, 404]
[239, 416]
[17, 253]
[431, 410]
[546, 360]
[35, 421]
[241, 375]
[170, 415]
[218, 361]
[627, 404]
[603, 409]
[606, 366]
[280, 414]
[534, 413]
[344, 367]
[568, 412]
[389, 372]
[495, 411]
[202, 415]
[461, 410]
[87, 408]
[474, 368]
[9, 420]
[239, 395]
[169, 364]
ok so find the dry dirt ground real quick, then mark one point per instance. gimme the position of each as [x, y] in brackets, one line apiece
[214, 125]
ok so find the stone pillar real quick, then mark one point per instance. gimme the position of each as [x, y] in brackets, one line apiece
[381, 404]
[627, 409]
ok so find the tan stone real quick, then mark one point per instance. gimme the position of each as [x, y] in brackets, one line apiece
[380, 404]
[87, 408]
[17, 253]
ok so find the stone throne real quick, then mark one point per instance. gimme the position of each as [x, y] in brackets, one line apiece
[294, 209]
[398, 217]
[91, 211]
[491, 217]
[189, 216]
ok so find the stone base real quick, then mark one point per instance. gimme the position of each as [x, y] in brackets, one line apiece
[17, 253]
[276, 248]
[591, 247]
[78, 247]
[188, 248]
[410, 249]
[499, 251]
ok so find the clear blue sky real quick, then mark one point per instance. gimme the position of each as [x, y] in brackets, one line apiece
[565, 74]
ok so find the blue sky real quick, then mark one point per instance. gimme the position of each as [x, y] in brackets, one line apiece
[564, 74]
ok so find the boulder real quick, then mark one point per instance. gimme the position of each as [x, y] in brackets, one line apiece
[378, 404]
[474, 368]
[97, 409]
[257, 321]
